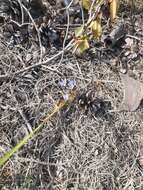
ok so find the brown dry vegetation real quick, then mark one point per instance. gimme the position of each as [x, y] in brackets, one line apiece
[75, 150]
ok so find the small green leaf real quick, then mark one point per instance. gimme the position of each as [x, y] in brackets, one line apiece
[86, 4]
[57, 107]
[95, 26]
[79, 31]
[81, 46]
[96, 29]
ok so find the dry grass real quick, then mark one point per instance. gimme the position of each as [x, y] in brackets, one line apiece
[75, 151]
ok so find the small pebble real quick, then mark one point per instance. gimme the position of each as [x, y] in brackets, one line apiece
[129, 42]
[127, 53]
[133, 56]
[123, 70]
[114, 62]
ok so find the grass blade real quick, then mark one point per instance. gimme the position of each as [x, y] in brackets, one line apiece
[56, 108]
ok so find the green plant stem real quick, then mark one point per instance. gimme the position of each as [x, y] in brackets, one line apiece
[10, 153]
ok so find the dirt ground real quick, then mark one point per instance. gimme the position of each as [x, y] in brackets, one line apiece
[90, 144]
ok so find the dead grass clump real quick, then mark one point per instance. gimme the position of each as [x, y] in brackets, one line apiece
[99, 154]
[77, 149]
